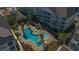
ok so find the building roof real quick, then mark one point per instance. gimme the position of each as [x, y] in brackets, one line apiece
[4, 27]
[62, 11]
[5, 34]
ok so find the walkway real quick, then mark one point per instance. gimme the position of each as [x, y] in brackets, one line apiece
[19, 44]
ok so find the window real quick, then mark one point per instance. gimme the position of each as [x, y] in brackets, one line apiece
[48, 17]
[63, 23]
[47, 13]
[10, 43]
[54, 22]
[62, 26]
[76, 9]
[47, 21]
[37, 8]
[64, 18]
[59, 17]
[77, 15]
[45, 24]
[53, 16]
[13, 48]
[2, 47]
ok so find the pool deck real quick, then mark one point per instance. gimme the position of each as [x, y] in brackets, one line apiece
[34, 46]
[49, 40]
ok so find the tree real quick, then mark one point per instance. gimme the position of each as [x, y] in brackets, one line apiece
[42, 40]
[42, 37]
[28, 19]
[63, 36]
[12, 20]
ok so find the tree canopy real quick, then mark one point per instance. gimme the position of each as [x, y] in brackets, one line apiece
[63, 36]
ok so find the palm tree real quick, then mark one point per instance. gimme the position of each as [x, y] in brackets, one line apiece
[28, 19]
[42, 37]
[45, 45]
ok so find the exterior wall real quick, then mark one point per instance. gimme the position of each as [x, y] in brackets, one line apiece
[76, 13]
[74, 43]
[6, 38]
[50, 19]
[8, 46]
[60, 23]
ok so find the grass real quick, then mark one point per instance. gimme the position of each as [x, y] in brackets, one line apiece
[63, 36]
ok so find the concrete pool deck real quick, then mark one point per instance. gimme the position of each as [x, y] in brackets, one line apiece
[49, 40]
[33, 45]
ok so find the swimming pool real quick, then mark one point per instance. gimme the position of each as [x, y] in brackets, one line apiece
[35, 38]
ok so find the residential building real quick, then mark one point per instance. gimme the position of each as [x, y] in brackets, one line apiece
[7, 42]
[64, 18]
[76, 13]
[74, 42]
[8, 11]
[57, 19]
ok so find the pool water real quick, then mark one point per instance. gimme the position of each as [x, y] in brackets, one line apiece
[45, 36]
[29, 36]
[35, 38]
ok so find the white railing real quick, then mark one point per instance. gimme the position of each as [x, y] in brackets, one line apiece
[19, 44]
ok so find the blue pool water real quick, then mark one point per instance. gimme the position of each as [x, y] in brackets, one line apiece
[29, 36]
[45, 36]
